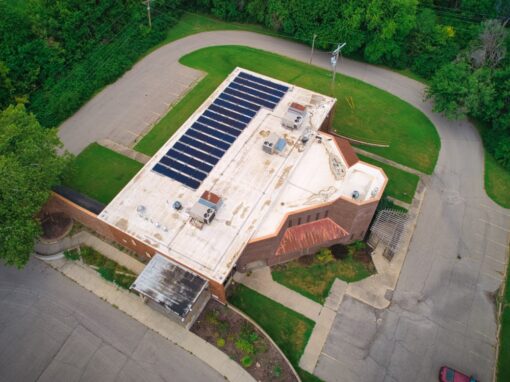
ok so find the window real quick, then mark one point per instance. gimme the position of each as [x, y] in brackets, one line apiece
[299, 221]
[290, 223]
[308, 219]
[326, 214]
[134, 242]
[317, 216]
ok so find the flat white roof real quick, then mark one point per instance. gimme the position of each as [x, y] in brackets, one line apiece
[257, 188]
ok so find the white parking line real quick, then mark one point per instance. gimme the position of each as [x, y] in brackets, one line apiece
[495, 225]
[329, 356]
[492, 241]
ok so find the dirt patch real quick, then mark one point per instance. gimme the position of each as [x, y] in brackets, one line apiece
[55, 225]
[242, 342]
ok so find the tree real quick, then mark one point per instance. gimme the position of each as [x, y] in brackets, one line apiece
[29, 167]
[449, 88]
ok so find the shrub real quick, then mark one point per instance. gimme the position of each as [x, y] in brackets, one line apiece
[277, 370]
[124, 281]
[325, 256]
[246, 361]
[356, 247]
[220, 342]
[107, 273]
[223, 326]
[72, 255]
[245, 346]
[248, 334]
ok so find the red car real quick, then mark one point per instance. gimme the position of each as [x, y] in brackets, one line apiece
[447, 374]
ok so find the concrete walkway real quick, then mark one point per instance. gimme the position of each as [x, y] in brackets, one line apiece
[387, 161]
[133, 306]
[126, 151]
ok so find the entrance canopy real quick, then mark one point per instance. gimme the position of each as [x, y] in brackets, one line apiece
[171, 286]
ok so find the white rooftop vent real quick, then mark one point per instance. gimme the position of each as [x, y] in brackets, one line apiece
[202, 213]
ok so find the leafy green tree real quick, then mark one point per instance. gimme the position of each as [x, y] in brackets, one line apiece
[449, 88]
[29, 167]
[6, 88]
[388, 23]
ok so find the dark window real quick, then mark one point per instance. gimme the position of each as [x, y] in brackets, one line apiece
[299, 221]
[308, 218]
[326, 214]
[290, 222]
[317, 216]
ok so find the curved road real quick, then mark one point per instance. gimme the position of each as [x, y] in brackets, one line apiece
[443, 308]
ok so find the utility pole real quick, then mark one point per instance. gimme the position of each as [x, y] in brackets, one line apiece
[149, 13]
[313, 46]
[334, 60]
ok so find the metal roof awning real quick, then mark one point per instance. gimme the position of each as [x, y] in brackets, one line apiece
[170, 285]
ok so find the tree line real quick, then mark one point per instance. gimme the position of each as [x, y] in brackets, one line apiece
[458, 45]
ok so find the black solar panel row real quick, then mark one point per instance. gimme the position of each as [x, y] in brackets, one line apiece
[194, 155]
[229, 113]
[207, 139]
[219, 126]
[201, 165]
[257, 101]
[263, 88]
[224, 120]
[201, 146]
[263, 82]
[215, 133]
[256, 93]
[238, 101]
[192, 183]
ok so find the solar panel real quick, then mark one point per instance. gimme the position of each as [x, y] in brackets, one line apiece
[247, 97]
[201, 146]
[219, 126]
[276, 93]
[192, 183]
[236, 108]
[230, 114]
[205, 167]
[195, 153]
[255, 93]
[205, 138]
[263, 82]
[180, 167]
[225, 120]
[249, 105]
[215, 133]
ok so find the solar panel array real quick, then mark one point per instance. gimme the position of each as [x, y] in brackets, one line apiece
[195, 154]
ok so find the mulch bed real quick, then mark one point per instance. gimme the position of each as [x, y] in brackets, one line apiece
[239, 339]
[55, 225]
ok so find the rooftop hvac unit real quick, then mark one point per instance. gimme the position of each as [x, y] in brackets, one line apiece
[294, 117]
[270, 143]
[202, 213]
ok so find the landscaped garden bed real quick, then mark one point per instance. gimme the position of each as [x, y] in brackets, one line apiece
[287, 328]
[107, 268]
[312, 276]
[242, 342]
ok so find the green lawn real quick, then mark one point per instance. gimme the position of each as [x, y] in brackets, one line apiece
[503, 373]
[315, 280]
[290, 330]
[101, 173]
[497, 181]
[401, 184]
[375, 115]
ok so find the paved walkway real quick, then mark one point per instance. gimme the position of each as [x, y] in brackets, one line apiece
[126, 151]
[387, 161]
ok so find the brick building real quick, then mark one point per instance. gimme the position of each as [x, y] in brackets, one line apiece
[252, 178]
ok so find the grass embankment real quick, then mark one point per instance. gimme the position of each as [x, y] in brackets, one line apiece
[101, 173]
[290, 330]
[497, 179]
[503, 371]
[401, 184]
[363, 111]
